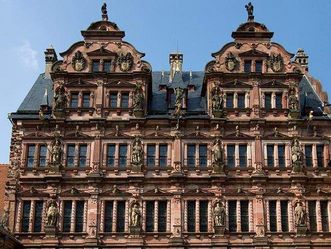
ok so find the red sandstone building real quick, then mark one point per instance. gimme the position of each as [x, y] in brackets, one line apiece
[107, 153]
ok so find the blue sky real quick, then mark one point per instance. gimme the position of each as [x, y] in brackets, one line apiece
[154, 27]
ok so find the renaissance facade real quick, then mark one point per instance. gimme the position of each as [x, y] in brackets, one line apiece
[107, 153]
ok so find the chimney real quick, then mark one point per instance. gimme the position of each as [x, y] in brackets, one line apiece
[50, 58]
[176, 63]
[302, 58]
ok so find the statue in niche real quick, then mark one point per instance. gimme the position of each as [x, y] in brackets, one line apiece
[300, 214]
[135, 215]
[125, 61]
[217, 155]
[138, 98]
[52, 215]
[60, 99]
[219, 214]
[137, 155]
[56, 152]
[296, 156]
[179, 93]
[217, 99]
[292, 99]
[250, 9]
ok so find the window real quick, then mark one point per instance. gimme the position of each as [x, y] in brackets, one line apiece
[232, 216]
[191, 216]
[308, 155]
[203, 155]
[324, 216]
[163, 155]
[191, 156]
[284, 215]
[203, 216]
[162, 216]
[312, 215]
[125, 100]
[109, 205]
[279, 100]
[243, 155]
[320, 155]
[122, 157]
[111, 155]
[96, 66]
[244, 216]
[42, 155]
[272, 216]
[258, 66]
[247, 66]
[281, 156]
[120, 224]
[107, 66]
[229, 100]
[150, 156]
[30, 157]
[230, 155]
[79, 216]
[74, 100]
[150, 216]
[113, 100]
[67, 216]
[86, 100]
[82, 155]
[38, 216]
[26, 216]
[71, 155]
[270, 155]
[241, 100]
[267, 101]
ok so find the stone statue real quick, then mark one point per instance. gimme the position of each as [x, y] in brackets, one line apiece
[300, 215]
[138, 98]
[5, 220]
[60, 99]
[179, 93]
[217, 99]
[104, 9]
[56, 152]
[296, 156]
[52, 215]
[219, 214]
[135, 215]
[217, 155]
[137, 154]
[250, 8]
[293, 100]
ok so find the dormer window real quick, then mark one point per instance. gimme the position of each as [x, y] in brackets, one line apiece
[247, 66]
[258, 66]
[96, 66]
[74, 100]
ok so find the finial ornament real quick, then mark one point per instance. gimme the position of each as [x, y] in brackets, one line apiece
[104, 12]
[250, 8]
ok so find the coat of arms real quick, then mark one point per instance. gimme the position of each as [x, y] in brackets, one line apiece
[78, 61]
[276, 62]
[125, 61]
[231, 62]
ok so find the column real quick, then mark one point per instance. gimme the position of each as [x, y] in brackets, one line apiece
[279, 217]
[156, 211]
[235, 100]
[92, 207]
[318, 216]
[157, 156]
[19, 217]
[114, 217]
[262, 100]
[197, 216]
[116, 166]
[76, 155]
[73, 217]
[287, 155]
[227, 214]
[197, 164]
[168, 216]
[61, 215]
[247, 100]
[118, 99]
[329, 213]
[276, 161]
[102, 217]
[290, 217]
[249, 155]
[273, 100]
[314, 155]
[236, 155]
[31, 216]
[267, 214]
[251, 216]
[95, 157]
[169, 152]
[144, 215]
[326, 155]
[176, 215]
[265, 155]
[238, 217]
[126, 229]
[44, 212]
[210, 217]
[80, 99]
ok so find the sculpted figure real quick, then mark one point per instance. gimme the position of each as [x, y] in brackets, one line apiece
[296, 156]
[5, 220]
[217, 99]
[300, 215]
[52, 215]
[293, 100]
[217, 152]
[137, 152]
[179, 93]
[250, 8]
[56, 152]
[219, 214]
[104, 9]
[135, 215]
[60, 98]
[138, 98]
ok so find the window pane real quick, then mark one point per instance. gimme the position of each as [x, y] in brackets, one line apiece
[95, 66]
[191, 216]
[232, 216]
[86, 100]
[38, 214]
[281, 156]
[279, 100]
[230, 155]
[284, 214]
[82, 155]
[191, 156]
[111, 155]
[107, 66]
[272, 216]
[203, 155]
[150, 216]
[26, 216]
[122, 156]
[113, 100]
[162, 216]
[267, 101]
[42, 155]
[308, 155]
[244, 216]
[320, 155]
[150, 156]
[74, 100]
[67, 216]
[247, 66]
[79, 216]
[243, 155]
[71, 155]
[203, 212]
[163, 154]
[125, 100]
[109, 205]
[270, 155]
[312, 215]
[31, 152]
[120, 216]
[241, 100]
[325, 216]
[258, 66]
[229, 100]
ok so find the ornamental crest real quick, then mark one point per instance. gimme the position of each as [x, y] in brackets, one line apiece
[125, 62]
[276, 62]
[78, 61]
[231, 62]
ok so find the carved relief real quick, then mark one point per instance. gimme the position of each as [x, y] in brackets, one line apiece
[125, 61]
[231, 62]
[276, 63]
[78, 61]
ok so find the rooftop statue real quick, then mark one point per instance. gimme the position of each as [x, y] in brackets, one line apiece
[250, 8]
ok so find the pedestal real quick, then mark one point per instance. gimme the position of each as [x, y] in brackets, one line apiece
[219, 230]
[135, 231]
[294, 114]
[301, 230]
[138, 113]
[136, 168]
[50, 231]
[218, 113]
[53, 169]
[218, 168]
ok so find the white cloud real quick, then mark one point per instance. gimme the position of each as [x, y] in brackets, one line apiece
[28, 56]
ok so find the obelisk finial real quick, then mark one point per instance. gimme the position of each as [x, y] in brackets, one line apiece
[104, 12]
[250, 8]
